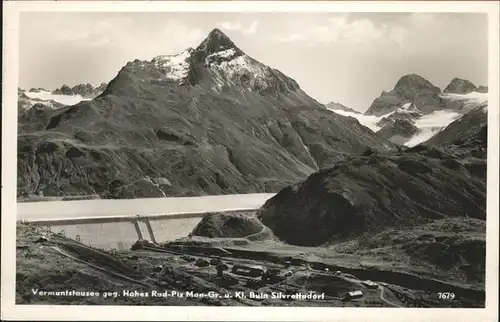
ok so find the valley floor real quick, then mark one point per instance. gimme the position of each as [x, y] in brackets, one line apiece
[184, 273]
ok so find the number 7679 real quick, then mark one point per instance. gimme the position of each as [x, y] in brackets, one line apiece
[446, 295]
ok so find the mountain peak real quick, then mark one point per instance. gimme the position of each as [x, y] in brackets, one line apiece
[216, 41]
[460, 86]
[414, 81]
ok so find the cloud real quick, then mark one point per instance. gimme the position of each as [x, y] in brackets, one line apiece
[95, 34]
[341, 29]
[234, 26]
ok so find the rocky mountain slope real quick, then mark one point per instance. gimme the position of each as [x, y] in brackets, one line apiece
[33, 111]
[210, 120]
[374, 192]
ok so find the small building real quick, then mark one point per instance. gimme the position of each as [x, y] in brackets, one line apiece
[370, 284]
[248, 270]
[353, 295]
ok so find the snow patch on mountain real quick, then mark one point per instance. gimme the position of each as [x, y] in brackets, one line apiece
[470, 100]
[63, 99]
[437, 119]
[405, 106]
[428, 124]
[228, 53]
[242, 65]
[176, 67]
[370, 121]
[242, 71]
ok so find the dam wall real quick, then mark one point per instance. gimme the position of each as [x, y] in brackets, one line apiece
[122, 232]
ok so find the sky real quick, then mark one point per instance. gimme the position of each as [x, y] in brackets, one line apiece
[349, 58]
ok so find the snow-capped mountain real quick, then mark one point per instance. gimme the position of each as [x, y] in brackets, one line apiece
[413, 89]
[397, 118]
[27, 100]
[64, 96]
[44, 97]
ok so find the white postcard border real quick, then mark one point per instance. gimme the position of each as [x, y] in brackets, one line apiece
[10, 311]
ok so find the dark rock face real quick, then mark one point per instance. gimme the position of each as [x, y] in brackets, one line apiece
[460, 86]
[37, 90]
[378, 191]
[64, 90]
[217, 123]
[338, 106]
[216, 41]
[84, 90]
[398, 116]
[410, 88]
[399, 131]
[228, 225]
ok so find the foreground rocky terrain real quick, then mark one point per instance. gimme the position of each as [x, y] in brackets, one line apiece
[424, 206]
[231, 259]
[209, 120]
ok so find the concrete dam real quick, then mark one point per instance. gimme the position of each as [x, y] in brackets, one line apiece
[118, 224]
